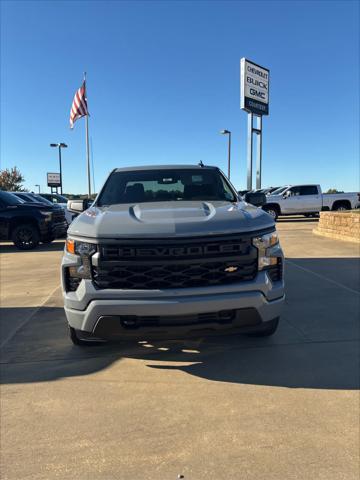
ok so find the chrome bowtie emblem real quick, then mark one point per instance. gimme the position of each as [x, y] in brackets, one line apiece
[230, 269]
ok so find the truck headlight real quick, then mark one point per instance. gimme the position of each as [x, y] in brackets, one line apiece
[80, 248]
[84, 250]
[269, 250]
[47, 215]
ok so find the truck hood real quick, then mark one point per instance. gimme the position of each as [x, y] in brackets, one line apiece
[35, 205]
[169, 219]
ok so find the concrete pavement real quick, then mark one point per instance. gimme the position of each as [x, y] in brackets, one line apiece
[286, 407]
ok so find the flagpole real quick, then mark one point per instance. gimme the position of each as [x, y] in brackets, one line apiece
[87, 144]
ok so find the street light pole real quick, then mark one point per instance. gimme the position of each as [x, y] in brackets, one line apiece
[38, 187]
[227, 132]
[60, 146]
[60, 169]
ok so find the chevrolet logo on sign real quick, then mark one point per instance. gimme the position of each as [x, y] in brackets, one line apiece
[230, 269]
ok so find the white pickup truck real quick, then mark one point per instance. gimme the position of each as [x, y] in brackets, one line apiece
[308, 200]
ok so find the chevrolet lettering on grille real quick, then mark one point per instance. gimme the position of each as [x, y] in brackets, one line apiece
[196, 250]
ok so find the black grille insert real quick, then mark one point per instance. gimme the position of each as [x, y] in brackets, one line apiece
[157, 264]
[275, 271]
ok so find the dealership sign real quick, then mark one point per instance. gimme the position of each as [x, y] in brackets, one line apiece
[254, 88]
[53, 180]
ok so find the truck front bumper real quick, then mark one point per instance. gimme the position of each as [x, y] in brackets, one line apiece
[242, 307]
[52, 230]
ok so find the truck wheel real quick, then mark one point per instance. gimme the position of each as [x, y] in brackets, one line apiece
[25, 237]
[340, 207]
[270, 329]
[273, 211]
[77, 340]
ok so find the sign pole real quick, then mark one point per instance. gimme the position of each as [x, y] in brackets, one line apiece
[259, 152]
[61, 191]
[254, 99]
[87, 143]
[249, 151]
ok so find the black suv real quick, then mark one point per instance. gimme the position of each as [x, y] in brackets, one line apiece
[27, 224]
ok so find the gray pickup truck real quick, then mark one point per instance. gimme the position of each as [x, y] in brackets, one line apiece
[307, 200]
[170, 251]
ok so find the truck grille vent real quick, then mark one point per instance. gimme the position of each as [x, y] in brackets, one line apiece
[275, 272]
[58, 215]
[152, 266]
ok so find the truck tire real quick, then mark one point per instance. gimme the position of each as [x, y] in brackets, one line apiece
[25, 236]
[341, 206]
[271, 210]
[270, 329]
[81, 342]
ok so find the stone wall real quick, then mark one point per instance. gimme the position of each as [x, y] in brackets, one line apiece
[340, 225]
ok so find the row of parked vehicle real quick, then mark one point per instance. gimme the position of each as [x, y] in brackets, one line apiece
[306, 199]
[28, 218]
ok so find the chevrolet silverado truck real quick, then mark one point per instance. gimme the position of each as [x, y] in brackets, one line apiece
[27, 224]
[307, 200]
[170, 251]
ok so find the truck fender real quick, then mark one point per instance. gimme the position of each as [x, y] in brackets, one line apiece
[274, 207]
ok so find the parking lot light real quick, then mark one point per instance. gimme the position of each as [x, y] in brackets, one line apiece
[227, 132]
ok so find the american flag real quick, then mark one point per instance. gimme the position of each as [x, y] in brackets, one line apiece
[79, 106]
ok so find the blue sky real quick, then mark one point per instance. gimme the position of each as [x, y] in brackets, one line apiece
[163, 79]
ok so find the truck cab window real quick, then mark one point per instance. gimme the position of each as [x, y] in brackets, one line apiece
[294, 191]
[309, 190]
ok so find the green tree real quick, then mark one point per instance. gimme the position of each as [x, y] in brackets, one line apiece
[333, 190]
[11, 179]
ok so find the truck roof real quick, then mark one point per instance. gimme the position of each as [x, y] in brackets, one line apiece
[164, 167]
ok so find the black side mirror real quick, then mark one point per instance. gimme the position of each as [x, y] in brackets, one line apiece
[258, 199]
[78, 206]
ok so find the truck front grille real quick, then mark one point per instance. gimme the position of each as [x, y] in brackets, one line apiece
[58, 215]
[158, 264]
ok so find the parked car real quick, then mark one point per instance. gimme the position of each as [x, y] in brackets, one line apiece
[279, 190]
[58, 199]
[25, 196]
[170, 250]
[55, 198]
[266, 191]
[27, 224]
[308, 200]
[28, 197]
[269, 191]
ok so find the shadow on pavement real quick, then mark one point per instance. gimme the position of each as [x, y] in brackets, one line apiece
[316, 345]
[57, 245]
[296, 219]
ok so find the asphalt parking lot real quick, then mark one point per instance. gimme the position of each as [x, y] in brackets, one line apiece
[231, 407]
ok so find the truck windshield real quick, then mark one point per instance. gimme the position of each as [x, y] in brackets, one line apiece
[39, 199]
[279, 190]
[140, 186]
[61, 198]
[10, 199]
